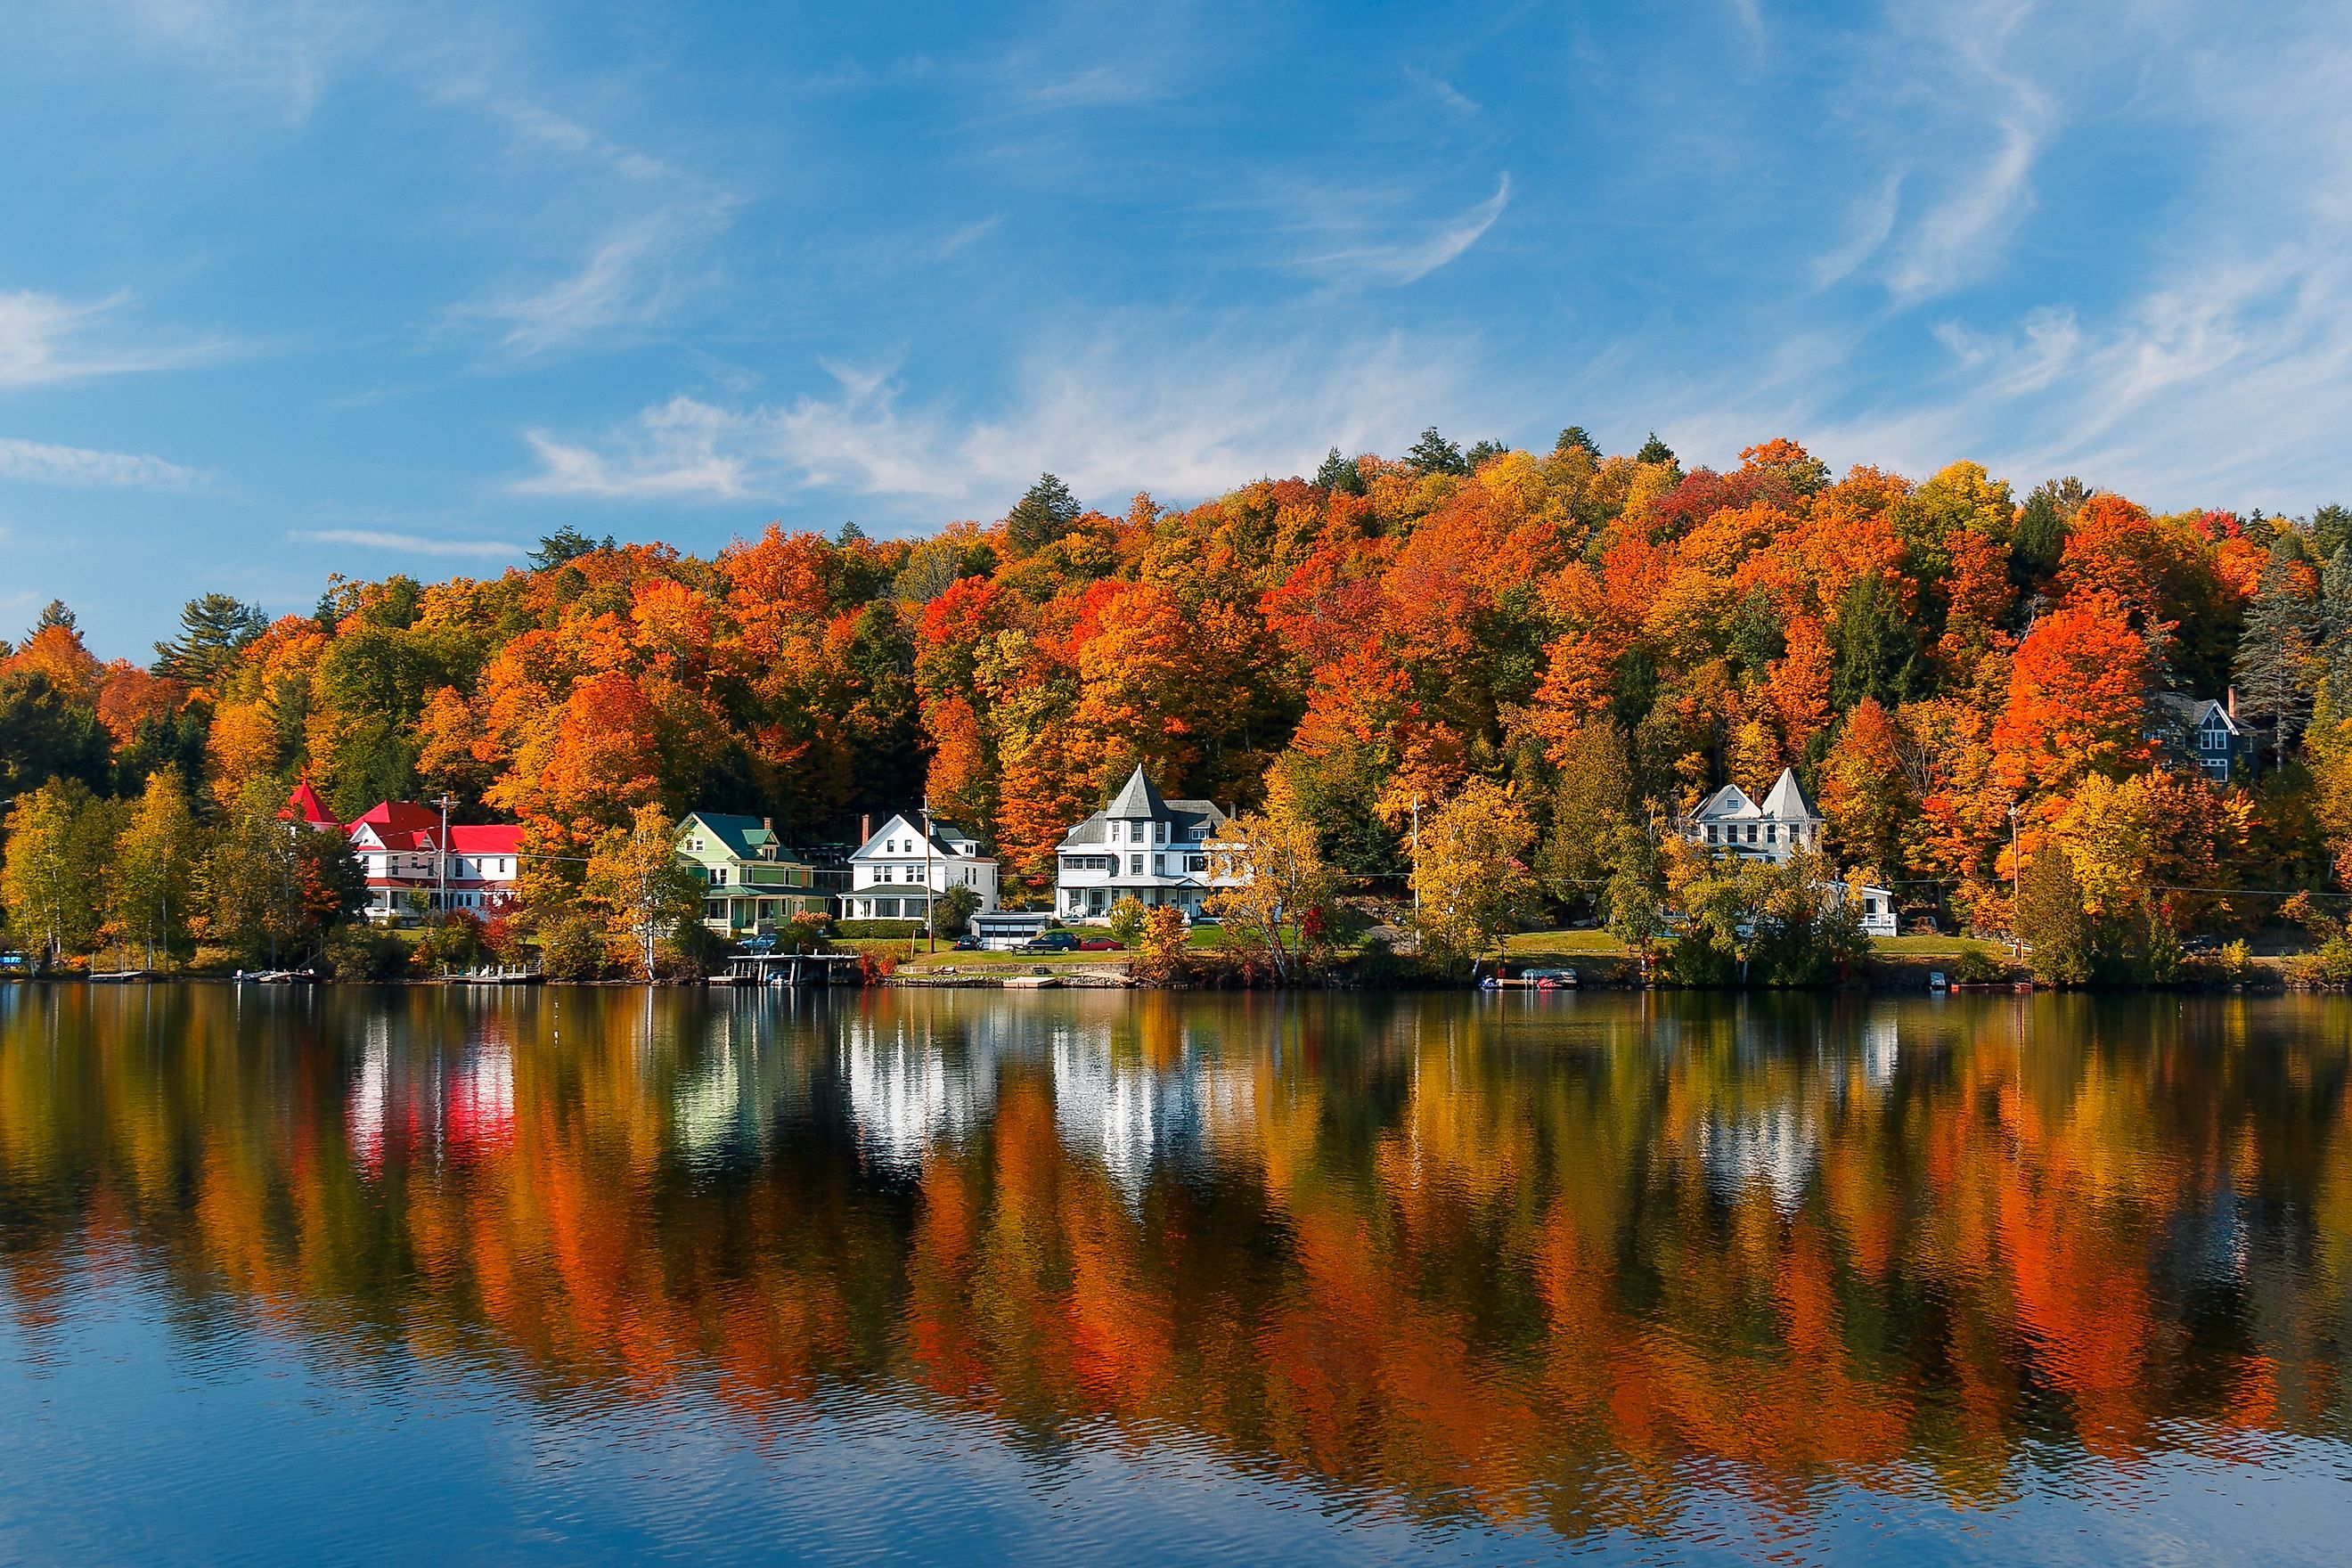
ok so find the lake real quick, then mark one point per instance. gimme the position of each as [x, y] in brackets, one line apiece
[576, 1276]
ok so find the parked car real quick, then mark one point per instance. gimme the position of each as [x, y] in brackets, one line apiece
[1051, 941]
[1097, 944]
[967, 944]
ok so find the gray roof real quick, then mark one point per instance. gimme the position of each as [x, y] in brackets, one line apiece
[1140, 800]
[1788, 800]
[2193, 711]
[1729, 803]
[1785, 802]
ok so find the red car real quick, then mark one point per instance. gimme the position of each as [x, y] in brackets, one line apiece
[1097, 944]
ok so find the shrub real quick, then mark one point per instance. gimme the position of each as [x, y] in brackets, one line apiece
[572, 947]
[1978, 967]
[1127, 918]
[952, 911]
[875, 931]
[1162, 943]
[452, 940]
[360, 952]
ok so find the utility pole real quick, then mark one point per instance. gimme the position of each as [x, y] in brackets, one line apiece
[930, 926]
[441, 857]
[1416, 852]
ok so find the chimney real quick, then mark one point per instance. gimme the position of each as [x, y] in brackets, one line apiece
[2234, 705]
[865, 827]
[769, 823]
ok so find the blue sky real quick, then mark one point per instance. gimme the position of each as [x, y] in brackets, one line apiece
[290, 287]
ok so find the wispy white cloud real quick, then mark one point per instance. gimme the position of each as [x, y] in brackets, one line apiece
[1219, 407]
[632, 276]
[1445, 92]
[286, 51]
[1869, 222]
[670, 452]
[407, 543]
[39, 463]
[1409, 260]
[46, 340]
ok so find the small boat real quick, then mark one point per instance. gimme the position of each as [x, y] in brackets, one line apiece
[1936, 981]
[279, 976]
[1531, 980]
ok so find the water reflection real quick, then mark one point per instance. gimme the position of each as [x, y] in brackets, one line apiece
[1588, 1267]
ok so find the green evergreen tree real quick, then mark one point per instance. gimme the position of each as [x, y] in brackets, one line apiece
[1655, 451]
[213, 630]
[1873, 647]
[1339, 475]
[1434, 454]
[2277, 666]
[564, 545]
[1575, 438]
[2330, 527]
[1044, 514]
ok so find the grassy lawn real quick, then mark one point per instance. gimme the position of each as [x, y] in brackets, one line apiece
[1595, 944]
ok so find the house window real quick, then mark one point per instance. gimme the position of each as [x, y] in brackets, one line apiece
[1159, 865]
[1771, 833]
[1196, 862]
[1135, 865]
[1751, 833]
[1710, 834]
[1159, 832]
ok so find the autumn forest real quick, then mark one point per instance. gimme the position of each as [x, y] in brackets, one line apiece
[1978, 678]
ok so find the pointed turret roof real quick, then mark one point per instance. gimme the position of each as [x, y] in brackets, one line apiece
[1137, 797]
[1788, 801]
[305, 806]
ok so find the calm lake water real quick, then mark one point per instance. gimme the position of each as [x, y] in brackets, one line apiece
[567, 1277]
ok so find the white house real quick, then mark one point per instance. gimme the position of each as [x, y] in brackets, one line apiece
[1773, 831]
[1729, 822]
[1141, 845]
[889, 872]
[400, 849]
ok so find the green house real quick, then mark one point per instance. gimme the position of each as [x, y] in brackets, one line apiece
[750, 880]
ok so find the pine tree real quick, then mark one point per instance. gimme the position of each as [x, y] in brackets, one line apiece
[1575, 438]
[213, 630]
[1339, 475]
[2276, 668]
[1044, 514]
[1434, 454]
[1874, 648]
[566, 545]
[1655, 451]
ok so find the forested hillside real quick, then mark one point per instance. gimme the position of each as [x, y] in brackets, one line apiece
[1610, 637]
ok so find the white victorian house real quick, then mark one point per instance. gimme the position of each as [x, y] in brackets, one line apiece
[1141, 845]
[896, 872]
[1729, 822]
[1773, 831]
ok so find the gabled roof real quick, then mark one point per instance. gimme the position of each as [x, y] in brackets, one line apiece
[1788, 800]
[744, 838]
[401, 815]
[485, 839]
[1729, 803]
[2196, 712]
[949, 842]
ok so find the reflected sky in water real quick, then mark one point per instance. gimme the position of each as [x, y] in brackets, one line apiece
[599, 1275]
